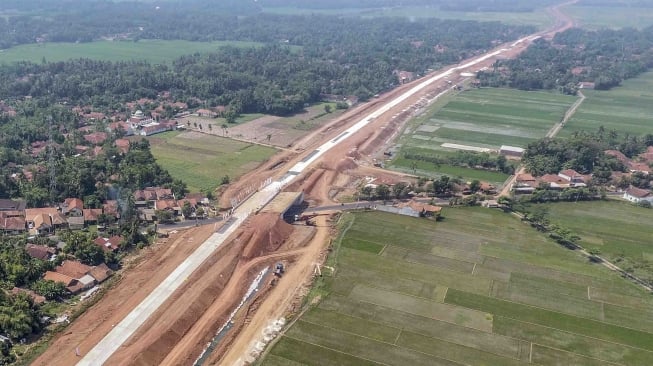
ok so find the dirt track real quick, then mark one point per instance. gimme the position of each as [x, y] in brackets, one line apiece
[177, 332]
[149, 269]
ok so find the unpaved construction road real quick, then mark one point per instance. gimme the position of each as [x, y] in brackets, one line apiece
[177, 330]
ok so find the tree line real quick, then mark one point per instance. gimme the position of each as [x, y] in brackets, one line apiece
[605, 57]
[584, 152]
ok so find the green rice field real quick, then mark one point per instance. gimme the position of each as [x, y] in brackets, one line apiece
[621, 231]
[478, 288]
[594, 17]
[201, 160]
[481, 119]
[154, 51]
[627, 109]
[538, 18]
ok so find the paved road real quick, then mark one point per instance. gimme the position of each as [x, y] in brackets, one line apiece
[139, 315]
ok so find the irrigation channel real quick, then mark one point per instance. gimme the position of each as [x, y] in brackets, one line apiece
[226, 327]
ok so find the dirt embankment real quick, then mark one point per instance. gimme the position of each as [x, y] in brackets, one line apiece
[193, 314]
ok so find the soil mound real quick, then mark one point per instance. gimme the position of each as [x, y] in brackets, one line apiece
[265, 234]
[346, 164]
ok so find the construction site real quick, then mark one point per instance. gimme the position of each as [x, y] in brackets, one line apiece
[216, 294]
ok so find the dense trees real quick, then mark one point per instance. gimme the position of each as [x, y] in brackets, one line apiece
[604, 57]
[276, 79]
[468, 159]
[583, 152]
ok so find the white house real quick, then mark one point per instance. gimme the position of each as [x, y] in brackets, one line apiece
[637, 195]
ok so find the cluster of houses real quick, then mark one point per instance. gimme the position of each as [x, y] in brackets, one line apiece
[15, 219]
[152, 199]
[77, 276]
[568, 178]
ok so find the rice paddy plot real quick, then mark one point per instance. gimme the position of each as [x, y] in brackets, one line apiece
[482, 119]
[626, 109]
[619, 230]
[420, 304]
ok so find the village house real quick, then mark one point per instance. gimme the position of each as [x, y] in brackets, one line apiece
[637, 195]
[77, 276]
[206, 113]
[122, 145]
[40, 252]
[45, 220]
[573, 177]
[96, 138]
[11, 205]
[168, 205]
[126, 128]
[92, 215]
[525, 183]
[157, 127]
[12, 225]
[38, 299]
[111, 244]
[73, 207]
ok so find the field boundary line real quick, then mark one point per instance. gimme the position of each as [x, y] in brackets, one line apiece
[337, 351]
[560, 312]
[530, 354]
[578, 334]
[397, 292]
[574, 353]
[473, 268]
[440, 320]
[398, 335]
[588, 293]
[382, 250]
[420, 334]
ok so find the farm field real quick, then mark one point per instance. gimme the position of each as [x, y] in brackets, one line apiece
[627, 109]
[621, 231]
[154, 51]
[201, 160]
[595, 17]
[478, 288]
[538, 18]
[481, 119]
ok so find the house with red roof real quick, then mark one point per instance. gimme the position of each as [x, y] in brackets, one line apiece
[96, 138]
[111, 244]
[73, 207]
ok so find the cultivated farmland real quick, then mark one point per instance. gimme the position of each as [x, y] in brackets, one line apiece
[626, 109]
[481, 119]
[154, 51]
[202, 160]
[621, 231]
[479, 288]
[610, 16]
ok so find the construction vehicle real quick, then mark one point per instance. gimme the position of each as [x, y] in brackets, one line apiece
[278, 269]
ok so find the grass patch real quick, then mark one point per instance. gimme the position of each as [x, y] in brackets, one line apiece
[202, 160]
[154, 51]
